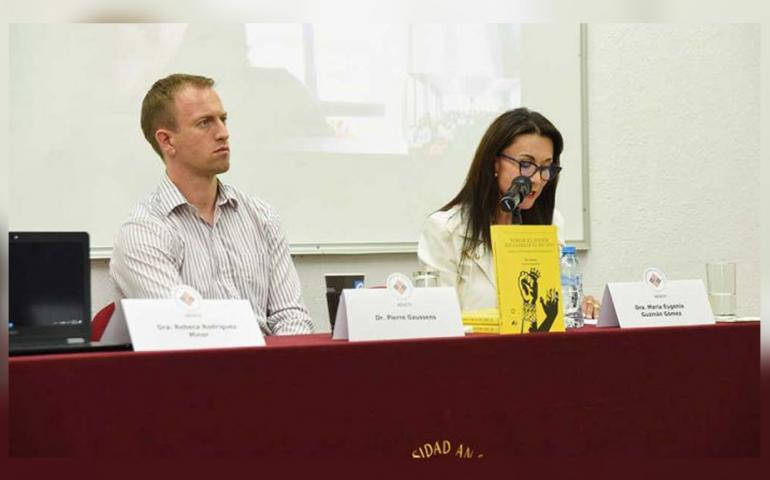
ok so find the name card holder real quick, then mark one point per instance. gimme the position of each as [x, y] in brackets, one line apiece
[168, 324]
[666, 304]
[398, 312]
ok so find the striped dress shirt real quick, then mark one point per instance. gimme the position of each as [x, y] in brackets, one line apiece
[244, 255]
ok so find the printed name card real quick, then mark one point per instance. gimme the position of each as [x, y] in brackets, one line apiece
[655, 302]
[399, 311]
[186, 322]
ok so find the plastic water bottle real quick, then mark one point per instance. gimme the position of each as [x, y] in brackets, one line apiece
[571, 288]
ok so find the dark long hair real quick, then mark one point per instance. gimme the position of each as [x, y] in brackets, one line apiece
[479, 196]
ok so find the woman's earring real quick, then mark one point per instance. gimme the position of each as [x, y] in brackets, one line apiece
[495, 174]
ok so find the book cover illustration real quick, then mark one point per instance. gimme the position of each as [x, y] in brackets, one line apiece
[527, 271]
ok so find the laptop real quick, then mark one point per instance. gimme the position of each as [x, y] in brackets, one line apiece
[49, 294]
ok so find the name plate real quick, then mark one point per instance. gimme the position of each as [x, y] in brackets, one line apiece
[156, 325]
[656, 304]
[398, 312]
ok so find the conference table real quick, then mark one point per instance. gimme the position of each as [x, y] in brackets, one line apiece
[669, 391]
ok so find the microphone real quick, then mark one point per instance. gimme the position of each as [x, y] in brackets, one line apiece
[520, 188]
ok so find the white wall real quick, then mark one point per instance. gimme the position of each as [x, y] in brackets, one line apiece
[673, 120]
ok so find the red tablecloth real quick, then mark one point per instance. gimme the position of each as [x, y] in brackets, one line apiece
[657, 391]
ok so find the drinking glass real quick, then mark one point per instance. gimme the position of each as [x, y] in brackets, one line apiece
[425, 278]
[721, 288]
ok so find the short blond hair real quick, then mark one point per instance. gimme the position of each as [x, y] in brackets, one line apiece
[158, 105]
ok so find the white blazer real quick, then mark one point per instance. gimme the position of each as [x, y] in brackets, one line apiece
[439, 249]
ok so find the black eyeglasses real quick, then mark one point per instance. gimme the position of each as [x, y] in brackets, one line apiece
[528, 169]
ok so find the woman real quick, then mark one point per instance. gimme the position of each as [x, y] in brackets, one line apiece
[456, 240]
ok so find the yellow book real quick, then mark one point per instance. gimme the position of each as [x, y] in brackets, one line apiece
[486, 329]
[528, 278]
[486, 316]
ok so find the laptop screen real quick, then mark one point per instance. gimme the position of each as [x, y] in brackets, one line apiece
[49, 286]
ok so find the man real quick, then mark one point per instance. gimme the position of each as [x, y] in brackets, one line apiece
[195, 230]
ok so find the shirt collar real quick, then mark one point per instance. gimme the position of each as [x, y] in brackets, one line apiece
[170, 197]
[225, 195]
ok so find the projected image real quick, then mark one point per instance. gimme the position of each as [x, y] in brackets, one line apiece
[391, 88]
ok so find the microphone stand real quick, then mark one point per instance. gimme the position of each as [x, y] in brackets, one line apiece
[516, 216]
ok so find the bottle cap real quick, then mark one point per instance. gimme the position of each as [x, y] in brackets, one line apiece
[568, 250]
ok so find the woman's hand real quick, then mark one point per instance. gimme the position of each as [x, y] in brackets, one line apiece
[591, 307]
